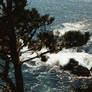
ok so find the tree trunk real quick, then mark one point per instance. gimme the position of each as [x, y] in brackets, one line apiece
[19, 78]
[17, 71]
[16, 63]
[11, 25]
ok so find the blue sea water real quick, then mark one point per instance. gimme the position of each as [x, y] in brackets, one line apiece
[48, 79]
[52, 79]
[64, 10]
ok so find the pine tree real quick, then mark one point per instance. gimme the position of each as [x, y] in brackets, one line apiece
[17, 23]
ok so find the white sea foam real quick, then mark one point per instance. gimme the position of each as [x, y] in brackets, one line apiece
[63, 57]
[70, 27]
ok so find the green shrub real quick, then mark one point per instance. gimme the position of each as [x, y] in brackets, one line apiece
[75, 38]
[48, 39]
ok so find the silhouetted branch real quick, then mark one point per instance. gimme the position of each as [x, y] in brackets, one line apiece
[39, 55]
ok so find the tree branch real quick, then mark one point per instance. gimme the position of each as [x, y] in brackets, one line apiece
[39, 55]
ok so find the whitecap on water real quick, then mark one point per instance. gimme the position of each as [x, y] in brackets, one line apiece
[79, 26]
[63, 57]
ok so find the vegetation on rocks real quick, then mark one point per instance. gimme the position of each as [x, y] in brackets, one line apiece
[75, 38]
[18, 23]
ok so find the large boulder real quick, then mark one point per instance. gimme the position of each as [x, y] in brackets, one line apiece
[76, 69]
[80, 71]
[72, 63]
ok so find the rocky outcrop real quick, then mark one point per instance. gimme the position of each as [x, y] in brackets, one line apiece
[76, 69]
[80, 71]
[72, 63]
[44, 58]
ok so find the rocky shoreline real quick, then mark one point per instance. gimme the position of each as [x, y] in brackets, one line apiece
[74, 68]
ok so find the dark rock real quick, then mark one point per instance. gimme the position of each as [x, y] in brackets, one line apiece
[80, 71]
[76, 69]
[72, 63]
[44, 58]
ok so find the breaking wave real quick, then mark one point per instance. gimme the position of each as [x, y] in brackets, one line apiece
[84, 56]
[46, 76]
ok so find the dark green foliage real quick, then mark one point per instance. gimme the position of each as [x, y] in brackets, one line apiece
[17, 23]
[48, 39]
[75, 38]
[35, 45]
[31, 21]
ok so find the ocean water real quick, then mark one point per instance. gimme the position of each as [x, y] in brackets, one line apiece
[64, 11]
[47, 77]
